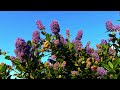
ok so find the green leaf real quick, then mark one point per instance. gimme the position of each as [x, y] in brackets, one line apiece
[110, 64]
[16, 62]
[7, 57]
[43, 32]
[0, 51]
[70, 46]
[117, 63]
[106, 47]
[47, 37]
[106, 67]
[4, 68]
[111, 35]
[57, 52]
[29, 43]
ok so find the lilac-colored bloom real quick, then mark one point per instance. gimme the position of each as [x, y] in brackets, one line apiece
[22, 49]
[40, 25]
[110, 39]
[111, 51]
[88, 50]
[77, 44]
[12, 58]
[63, 64]
[74, 72]
[53, 56]
[79, 35]
[55, 27]
[101, 72]
[73, 41]
[109, 26]
[56, 65]
[103, 41]
[95, 56]
[36, 36]
[62, 39]
[56, 42]
[65, 42]
[117, 28]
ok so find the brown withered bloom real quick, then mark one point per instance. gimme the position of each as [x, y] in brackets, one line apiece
[99, 46]
[93, 68]
[88, 64]
[2, 64]
[88, 60]
[47, 64]
[63, 64]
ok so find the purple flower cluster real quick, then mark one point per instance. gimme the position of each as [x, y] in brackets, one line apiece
[110, 39]
[62, 39]
[53, 57]
[56, 65]
[77, 44]
[56, 42]
[55, 27]
[79, 35]
[103, 41]
[95, 56]
[40, 25]
[109, 26]
[12, 58]
[22, 48]
[118, 28]
[101, 72]
[36, 37]
[88, 50]
[65, 42]
[111, 51]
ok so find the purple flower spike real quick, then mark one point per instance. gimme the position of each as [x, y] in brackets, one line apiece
[101, 72]
[55, 27]
[103, 41]
[36, 36]
[22, 49]
[109, 26]
[40, 25]
[79, 35]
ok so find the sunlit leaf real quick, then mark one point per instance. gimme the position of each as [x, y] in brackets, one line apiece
[110, 64]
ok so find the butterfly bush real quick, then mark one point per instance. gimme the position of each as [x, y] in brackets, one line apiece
[66, 59]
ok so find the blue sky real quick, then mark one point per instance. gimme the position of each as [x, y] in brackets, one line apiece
[14, 24]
